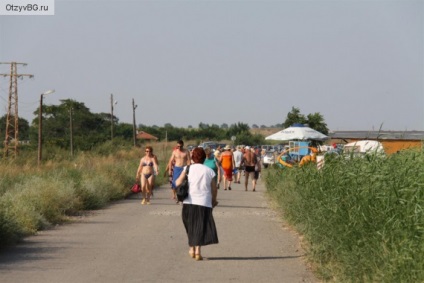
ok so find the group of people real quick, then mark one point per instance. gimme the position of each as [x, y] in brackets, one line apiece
[235, 161]
[206, 170]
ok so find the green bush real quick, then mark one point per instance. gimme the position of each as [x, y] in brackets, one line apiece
[363, 217]
[34, 197]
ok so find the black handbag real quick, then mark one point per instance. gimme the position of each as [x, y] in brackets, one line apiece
[182, 190]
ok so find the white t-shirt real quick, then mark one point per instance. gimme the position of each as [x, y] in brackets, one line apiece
[199, 181]
[238, 156]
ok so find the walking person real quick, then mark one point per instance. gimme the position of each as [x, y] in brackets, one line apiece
[169, 170]
[213, 163]
[258, 169]
[180, 157]
[155, 173]
[197, 207]
[217, 154]
[238, 156]
[249, 161]
[145, 173]
[227, 164]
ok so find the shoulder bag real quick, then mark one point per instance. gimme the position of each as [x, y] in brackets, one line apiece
[182, 190]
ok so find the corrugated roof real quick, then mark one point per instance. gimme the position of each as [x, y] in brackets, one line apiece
[380, 135]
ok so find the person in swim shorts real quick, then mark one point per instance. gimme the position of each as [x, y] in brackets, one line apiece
[180, 157]
[249, 161]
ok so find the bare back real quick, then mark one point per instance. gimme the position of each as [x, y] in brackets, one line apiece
[249, 158]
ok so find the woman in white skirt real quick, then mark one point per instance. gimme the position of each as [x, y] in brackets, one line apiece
[197, 207]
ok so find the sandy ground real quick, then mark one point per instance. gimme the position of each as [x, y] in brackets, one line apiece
[130, 242]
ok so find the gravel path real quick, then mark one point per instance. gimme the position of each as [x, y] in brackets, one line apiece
[128, 242]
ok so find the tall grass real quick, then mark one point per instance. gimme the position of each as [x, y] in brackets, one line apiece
[33, 198]
[363, 218]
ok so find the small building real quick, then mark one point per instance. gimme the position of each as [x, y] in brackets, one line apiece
[392, 141]
[145, 136]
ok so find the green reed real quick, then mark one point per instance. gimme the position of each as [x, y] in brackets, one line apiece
[363, 218]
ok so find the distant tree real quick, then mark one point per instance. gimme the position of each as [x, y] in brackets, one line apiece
[224, 126]
[293, 117]
[254, 126]
[238, 128]
[124, 130]
[249, 139]
[168, 125]
[190, 127]
[263, 127]
[88, 129]
[22, 124]
[203, 125]
[316, 122]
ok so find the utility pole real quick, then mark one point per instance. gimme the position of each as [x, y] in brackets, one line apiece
[111, 115]
[40, 126]
[134, 125]
[12, 128]
[71, 131]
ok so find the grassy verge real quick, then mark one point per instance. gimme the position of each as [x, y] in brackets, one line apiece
[363, 218]
[33, 198]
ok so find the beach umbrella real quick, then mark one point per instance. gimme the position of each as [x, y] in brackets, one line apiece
[297, 132]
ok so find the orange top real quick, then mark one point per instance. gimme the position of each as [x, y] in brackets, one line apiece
[226, 161]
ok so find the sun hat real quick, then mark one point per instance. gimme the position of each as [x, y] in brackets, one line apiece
[227, 147]
[247, 147]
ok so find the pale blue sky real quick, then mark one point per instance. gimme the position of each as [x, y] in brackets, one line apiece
[359, 63]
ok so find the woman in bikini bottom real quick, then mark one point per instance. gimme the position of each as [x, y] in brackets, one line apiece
[145, 174]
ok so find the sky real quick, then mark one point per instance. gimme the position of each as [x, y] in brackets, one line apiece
[358, 63]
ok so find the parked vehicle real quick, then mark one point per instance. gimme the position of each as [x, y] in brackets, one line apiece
[268, 159]
[190, 147]
[278, 148]
[211, 144]
[268, 147]
[221, 145]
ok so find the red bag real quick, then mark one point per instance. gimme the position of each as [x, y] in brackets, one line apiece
[136, 188]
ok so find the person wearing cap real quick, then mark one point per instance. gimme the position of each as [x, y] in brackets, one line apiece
[227, 163]
[249, 161]
[238, 156]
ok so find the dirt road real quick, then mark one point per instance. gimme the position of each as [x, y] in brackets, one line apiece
[130, 242]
